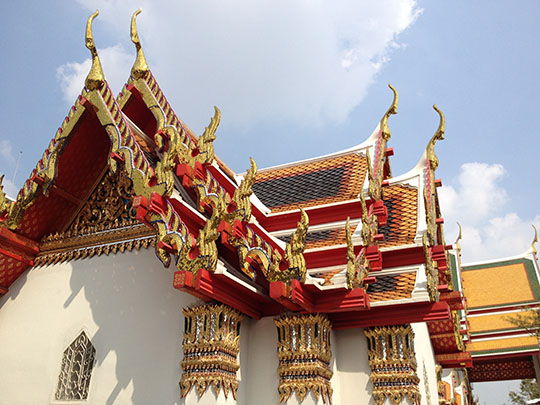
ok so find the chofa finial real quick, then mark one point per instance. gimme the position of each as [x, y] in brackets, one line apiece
[385, 131]
[140, 68]
[95, 79]
[459, 237]
[438, 136]
[535, 240]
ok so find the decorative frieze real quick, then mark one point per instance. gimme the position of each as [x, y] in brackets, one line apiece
[211, 345]
[393, 364]
[304, 355]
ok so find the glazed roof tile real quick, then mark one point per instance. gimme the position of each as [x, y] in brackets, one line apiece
[392, 287]
[322, 238]
[515, 281]
[402, 203]
[313, 183]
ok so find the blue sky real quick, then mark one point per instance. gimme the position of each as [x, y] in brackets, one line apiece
[301, 79]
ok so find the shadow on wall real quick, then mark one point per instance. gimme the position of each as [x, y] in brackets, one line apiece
[139, 327]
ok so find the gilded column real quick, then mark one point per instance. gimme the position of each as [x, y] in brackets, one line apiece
[211, 345]
[393, 364]
[304, 355]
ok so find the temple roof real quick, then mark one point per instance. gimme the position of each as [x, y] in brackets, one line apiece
[496, 291]
[328, 234]
[317, 182]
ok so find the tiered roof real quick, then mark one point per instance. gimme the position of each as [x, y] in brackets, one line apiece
[498, 291]
[334, 234]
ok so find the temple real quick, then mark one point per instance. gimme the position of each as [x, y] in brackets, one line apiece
[137, 267]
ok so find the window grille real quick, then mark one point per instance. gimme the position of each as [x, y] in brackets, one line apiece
[76, 370]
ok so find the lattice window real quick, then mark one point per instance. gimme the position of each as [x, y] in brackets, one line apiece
[77, 364]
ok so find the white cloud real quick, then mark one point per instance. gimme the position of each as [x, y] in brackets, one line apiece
[6, 151]
[116, 64]
[479, 202]
[303, 62]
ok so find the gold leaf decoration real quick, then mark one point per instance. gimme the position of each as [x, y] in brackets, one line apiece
[393, 364]
[211, 345]
[357, 267]
[304, 354]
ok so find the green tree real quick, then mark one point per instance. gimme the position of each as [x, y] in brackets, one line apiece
[528, 319]
[528, 389]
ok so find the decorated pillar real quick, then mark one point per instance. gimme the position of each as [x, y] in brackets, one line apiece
[211, 345]
[304, 355]
[393, 364]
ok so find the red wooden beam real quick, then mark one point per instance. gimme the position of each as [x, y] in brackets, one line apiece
[16, 257]
[455, 360]
[18, 241]
[213, 286]
[309, 299]
[317, 215]
[392, 315]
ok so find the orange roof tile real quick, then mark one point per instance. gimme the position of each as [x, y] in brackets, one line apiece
[514, 282]
[392, 287]
[310, 184]
[402, 203]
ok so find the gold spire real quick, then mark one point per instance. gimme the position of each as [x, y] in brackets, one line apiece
[95, 79]
[385, 131]
[458, 238]
[535, 240]
[140, 68]
[439, 135]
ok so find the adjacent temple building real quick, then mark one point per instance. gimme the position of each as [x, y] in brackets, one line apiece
[327, 280]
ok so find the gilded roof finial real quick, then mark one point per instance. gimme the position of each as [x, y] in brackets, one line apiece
[458, 238]
[95, 79]
[535, 240]
[140, 68]
[439, 135]
[385, 131]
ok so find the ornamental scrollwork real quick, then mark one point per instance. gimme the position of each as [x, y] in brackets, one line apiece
[293, 255]
[432, 274]
[211, 345]
[370, 223]
[357, 267]
[376, 172]
[304, 354]
[393, 364]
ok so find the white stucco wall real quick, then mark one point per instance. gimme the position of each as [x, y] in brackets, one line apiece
[127, 306]
[425, 357]
[351, 370]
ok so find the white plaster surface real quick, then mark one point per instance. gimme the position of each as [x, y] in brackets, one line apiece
[127, 306]
[260, 386]
[425, 357]
[129, 309]
[351, 370]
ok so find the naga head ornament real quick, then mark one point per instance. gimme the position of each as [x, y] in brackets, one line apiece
[140, 67]
[95, 79]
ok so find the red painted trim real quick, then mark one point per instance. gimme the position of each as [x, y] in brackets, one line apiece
[17, 257]
[19, 241]
[474, 336]
[317, 215]
[392, 315]
[509, 356]
[212, 286]
[501, 309]
[462, 359]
